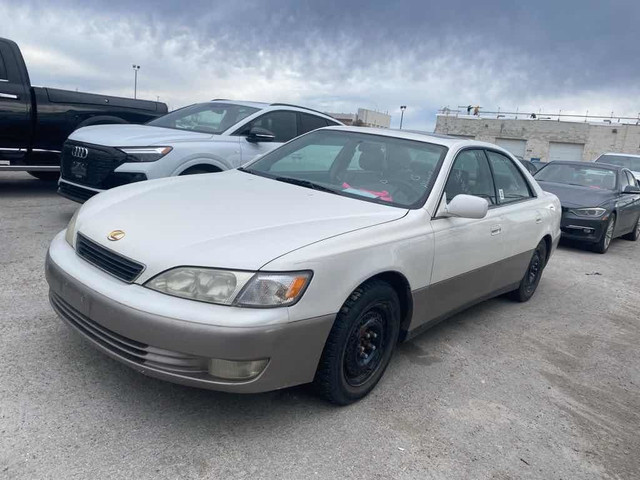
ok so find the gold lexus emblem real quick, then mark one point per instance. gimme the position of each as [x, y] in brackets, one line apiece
[116, 235]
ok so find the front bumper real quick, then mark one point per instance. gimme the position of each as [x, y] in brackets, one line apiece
[583, 229]
[177, 350]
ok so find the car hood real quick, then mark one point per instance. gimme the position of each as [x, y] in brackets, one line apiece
[573, 196]
[230, 219]
[135, 135]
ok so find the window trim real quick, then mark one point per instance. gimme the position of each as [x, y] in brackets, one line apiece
[532, 191]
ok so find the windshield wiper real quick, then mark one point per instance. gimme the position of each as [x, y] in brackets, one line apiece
[305, 183]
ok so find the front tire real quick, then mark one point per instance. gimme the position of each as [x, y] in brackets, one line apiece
[603, 244]
[531, 279]
[360, 344]
[634, 234]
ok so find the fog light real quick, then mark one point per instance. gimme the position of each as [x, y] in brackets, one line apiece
[236, 370]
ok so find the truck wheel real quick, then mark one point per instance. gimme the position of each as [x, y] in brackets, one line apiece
[360, 344]
[45, 176]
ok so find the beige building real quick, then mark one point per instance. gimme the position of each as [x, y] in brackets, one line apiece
[543, 139]
[364, 118]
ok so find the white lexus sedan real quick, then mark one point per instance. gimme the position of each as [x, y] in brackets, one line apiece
[308, 265]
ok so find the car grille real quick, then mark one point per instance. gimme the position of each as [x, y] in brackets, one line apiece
[78, 194]
[95, 168]
[131, 350]
[108, 260]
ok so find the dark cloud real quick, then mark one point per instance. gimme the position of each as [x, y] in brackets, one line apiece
[368, 53]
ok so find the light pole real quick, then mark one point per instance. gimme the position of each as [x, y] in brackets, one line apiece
[402, 108]
[135, 80]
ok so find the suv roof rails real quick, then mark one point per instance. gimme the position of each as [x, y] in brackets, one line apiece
[299, 106]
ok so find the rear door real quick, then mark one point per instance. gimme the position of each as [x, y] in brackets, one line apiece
[522, 217]
[15, 101]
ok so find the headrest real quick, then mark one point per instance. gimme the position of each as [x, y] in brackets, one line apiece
[371, 157]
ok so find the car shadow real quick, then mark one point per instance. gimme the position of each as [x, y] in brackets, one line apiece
[22, 185]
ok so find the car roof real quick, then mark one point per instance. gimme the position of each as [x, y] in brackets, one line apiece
[621, 155]
[592, 164]
[263, 105]
[416, 135]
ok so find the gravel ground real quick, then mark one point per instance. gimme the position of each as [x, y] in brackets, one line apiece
[549, 389]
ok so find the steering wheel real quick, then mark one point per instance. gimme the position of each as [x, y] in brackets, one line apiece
[410, 191]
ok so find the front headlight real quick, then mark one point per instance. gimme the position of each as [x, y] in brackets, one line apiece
[589, 212]
[145, 154]
[70, 234]
[226, 287]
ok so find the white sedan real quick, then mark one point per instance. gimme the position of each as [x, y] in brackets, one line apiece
[308, 265]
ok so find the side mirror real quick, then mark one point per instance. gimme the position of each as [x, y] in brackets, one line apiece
[259, 134]
[466, 206]
[631, 189]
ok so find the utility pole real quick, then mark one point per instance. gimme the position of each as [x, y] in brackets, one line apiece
[135, 80]
[402, 109]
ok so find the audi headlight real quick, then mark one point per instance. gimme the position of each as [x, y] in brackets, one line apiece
[70, 234]
[145, 154]
[226, 287]
[589, 212]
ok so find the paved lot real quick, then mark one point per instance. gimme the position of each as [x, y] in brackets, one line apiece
[549, 389]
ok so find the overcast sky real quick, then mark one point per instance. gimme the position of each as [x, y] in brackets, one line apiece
[340, 55]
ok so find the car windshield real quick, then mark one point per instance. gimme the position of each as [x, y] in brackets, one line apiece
[372, 168]
[211, 117]
[632, 163]
[584, 176]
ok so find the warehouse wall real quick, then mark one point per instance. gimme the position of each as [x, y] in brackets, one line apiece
[596, 138]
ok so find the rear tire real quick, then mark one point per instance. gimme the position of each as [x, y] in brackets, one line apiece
[603, 244]
[634, 234]
[360, 344]
[532, 276]
[45, 176]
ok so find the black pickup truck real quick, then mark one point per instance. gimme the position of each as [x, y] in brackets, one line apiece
[35, 121]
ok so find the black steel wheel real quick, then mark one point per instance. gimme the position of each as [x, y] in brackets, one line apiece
[360, 344]
[532, 276]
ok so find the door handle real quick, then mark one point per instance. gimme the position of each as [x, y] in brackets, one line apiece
[496, 229]
[9, 95]
[538, 219]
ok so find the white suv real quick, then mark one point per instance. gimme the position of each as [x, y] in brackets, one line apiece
[201, 138]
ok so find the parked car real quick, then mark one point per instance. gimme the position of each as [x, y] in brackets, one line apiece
[308, 264]
[599, 202]
[35, 121]
[201, 138]
[530, 166]
[632, 162]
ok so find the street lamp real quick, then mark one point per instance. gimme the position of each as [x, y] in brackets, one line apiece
[402, 108]
[135, 80]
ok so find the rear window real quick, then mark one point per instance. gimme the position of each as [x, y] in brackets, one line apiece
[632, 163]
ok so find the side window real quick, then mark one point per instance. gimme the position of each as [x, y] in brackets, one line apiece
[311, 122]
[281, 123]
[510, 182]
[3, 69]
[624, 180]
[470, 175]
[632, 179]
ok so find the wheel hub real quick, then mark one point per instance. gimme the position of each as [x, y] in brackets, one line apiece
[365, 347]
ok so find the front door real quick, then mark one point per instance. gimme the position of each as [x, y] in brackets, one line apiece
[15, 125]
[282, 123]
[468, 252]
